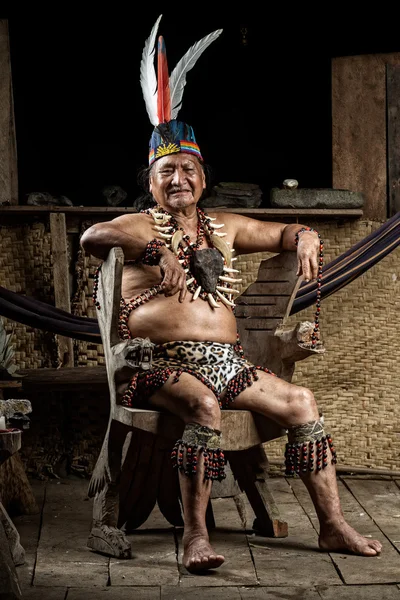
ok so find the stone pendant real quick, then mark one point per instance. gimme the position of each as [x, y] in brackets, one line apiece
[207, 265]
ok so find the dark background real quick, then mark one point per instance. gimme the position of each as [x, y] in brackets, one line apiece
[261, 112]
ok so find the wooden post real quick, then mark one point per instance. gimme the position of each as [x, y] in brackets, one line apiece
[8, 145]
[393, 125]
[359, 142]
[62, 297]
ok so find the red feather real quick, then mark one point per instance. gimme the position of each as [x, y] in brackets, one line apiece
[163, 92]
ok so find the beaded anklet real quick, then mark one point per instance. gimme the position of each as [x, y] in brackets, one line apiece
[303, 440]
[315, 333]
[200, 440]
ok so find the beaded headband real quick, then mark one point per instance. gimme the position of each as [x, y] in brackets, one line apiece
[163, 93]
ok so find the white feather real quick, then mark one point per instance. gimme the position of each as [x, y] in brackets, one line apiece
[148, 77]
[177, 78]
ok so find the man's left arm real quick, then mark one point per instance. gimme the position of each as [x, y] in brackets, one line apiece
[252, 235]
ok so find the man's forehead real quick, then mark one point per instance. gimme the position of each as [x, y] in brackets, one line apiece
[174, 160]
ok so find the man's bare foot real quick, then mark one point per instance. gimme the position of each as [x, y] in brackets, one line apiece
[198, 554]
[344, 538]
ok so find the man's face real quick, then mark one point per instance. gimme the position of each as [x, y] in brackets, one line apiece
[177, 180]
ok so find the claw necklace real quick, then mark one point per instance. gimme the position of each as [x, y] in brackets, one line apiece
[209, 272]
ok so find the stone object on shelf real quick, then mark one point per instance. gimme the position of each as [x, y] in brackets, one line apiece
[114, 194]
[46, 199]
[315, 198]
[234, 195]
[290, 184]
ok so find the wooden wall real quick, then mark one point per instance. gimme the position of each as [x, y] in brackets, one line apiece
[359, 128]
[8, 146]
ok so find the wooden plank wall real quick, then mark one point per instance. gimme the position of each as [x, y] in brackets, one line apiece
[59, 249]
[359, 138]
[393, 112]
[8, 145]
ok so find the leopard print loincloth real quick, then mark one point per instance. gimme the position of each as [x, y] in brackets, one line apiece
[220, 367]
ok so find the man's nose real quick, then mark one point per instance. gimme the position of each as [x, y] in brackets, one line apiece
[178, 176]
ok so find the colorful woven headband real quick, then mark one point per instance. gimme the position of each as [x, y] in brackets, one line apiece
[163, 96]
[173, 136]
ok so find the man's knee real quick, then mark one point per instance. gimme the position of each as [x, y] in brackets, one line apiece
[204, 409]
[302, 405]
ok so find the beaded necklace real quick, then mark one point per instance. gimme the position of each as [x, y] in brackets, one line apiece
[184, 248]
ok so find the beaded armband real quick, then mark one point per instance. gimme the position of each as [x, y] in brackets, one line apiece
[315, 333]
[151, 254]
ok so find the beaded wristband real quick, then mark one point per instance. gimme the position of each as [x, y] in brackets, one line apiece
[151, 254]
[319, 281]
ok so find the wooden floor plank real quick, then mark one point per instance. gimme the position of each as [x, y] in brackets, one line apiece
[115, 593]
[360, 592]
[43, 593]
[356, 569]
[63, 556]
[28, 527]
[297, 554]
[229, 539]
[200, 593]
[279, 593]
[60, 573]
[381, 499]
[153, 556]
[66, 524]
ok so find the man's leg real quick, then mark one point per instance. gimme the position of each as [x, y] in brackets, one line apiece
[294, 408]
[193, 402]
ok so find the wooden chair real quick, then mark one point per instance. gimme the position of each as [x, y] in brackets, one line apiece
[134, 470]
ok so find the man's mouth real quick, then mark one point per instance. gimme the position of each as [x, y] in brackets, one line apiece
[175, 192]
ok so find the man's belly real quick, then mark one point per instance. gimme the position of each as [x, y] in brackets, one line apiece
[165, 319]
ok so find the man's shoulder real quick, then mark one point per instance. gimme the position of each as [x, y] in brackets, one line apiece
[135, 217]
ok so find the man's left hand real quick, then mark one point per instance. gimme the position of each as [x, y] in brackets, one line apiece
[308, 249]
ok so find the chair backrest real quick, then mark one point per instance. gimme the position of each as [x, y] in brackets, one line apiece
[264, 306]
[109, 296]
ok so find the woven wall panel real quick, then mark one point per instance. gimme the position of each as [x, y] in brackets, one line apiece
[87, 354]
[26, 268]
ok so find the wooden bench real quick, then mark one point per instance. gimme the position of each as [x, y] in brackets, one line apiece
[134, 470]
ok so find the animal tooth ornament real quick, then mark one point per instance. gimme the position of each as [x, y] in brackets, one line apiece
[163, 95]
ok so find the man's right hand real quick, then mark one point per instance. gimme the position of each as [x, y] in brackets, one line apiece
[174, 276]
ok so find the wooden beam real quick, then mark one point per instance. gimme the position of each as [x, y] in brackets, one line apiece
[393, 133]
[68, 378]
[110, 212]
[62, 297]
[8, 145]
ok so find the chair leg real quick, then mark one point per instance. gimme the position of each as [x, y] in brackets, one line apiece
[250, 468]
[17, 551]
[105, 537]
[9, 584]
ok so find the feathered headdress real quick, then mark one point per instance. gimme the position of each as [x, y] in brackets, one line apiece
[163, 95]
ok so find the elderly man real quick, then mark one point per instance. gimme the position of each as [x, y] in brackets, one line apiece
[178, 290]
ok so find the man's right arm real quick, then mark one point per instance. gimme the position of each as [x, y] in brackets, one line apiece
[133, 233]
[128, 232]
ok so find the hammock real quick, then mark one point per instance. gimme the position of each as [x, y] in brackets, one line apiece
[335, 275]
